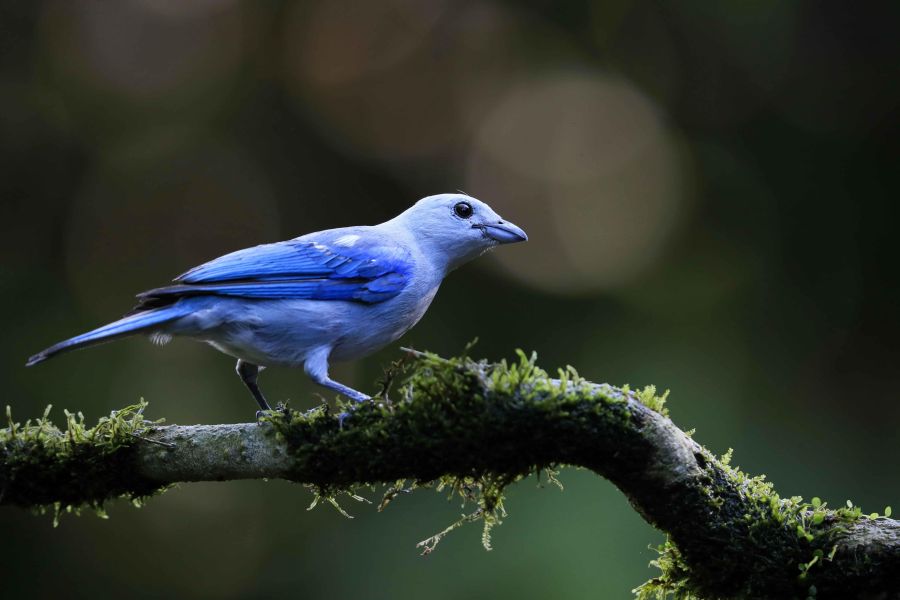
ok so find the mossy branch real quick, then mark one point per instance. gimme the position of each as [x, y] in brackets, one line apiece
[478, 427]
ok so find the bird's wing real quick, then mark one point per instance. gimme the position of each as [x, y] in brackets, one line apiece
[353, 264]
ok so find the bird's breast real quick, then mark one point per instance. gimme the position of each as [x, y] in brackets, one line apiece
[377, 325]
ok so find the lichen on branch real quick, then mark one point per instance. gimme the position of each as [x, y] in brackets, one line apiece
[476, 427]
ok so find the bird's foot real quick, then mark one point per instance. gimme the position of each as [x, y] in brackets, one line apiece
[358, 397]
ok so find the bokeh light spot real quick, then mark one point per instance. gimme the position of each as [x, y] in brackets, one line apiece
[588, 159]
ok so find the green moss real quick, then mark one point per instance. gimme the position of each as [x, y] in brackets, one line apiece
[67, 470]
[457, 426]
[433, 428]
[650, 399]
[769, 534]
[674, 580]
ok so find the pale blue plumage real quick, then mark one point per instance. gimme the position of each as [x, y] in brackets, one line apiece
[331, 295]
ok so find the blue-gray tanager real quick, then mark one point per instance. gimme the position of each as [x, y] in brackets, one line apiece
[338, 294]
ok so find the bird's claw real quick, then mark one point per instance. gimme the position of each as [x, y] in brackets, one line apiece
[281, 407]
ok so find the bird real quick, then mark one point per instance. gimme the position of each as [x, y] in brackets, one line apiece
[333, 295]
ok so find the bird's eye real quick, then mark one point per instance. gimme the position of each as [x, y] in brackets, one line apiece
[463, 210]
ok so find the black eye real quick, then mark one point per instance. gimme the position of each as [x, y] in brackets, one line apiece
[463, 210]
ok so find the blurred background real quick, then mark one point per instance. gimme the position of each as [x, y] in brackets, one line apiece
[710, 191]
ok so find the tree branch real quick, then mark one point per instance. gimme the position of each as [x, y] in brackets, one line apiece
[481, 426]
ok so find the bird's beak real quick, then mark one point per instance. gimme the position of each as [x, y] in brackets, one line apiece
[505, 232]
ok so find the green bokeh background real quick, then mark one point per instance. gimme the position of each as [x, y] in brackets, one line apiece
[710, 189]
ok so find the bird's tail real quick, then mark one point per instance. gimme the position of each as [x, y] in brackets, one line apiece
[129, 325]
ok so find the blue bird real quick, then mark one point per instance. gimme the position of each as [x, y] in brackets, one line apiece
[332, 295]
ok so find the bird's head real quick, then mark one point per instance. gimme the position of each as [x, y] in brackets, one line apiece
[457, 228]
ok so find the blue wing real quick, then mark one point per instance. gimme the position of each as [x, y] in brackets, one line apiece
[353, 264]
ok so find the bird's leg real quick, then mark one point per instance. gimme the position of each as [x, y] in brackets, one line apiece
[249, 374]
[316, 366]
